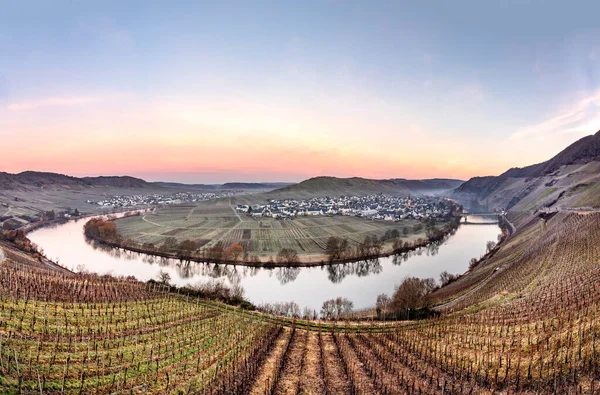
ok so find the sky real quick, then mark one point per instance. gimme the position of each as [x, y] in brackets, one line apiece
[204, 91]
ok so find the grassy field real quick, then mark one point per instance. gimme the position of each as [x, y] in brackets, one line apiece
[212, 222]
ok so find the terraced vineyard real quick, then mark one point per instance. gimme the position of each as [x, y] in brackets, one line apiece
[532, 326]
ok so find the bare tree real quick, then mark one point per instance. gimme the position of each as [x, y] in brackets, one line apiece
[446, 278]
[411, 294]
[164, 277]
[334, 308]
[287, 255]
[382, 306]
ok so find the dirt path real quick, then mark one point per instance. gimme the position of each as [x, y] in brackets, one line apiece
[235, 211]
[187, 217]
[356, 369]
[270, 364]
[311, 381]
[289, 383]
[337, 380]
[155, 224]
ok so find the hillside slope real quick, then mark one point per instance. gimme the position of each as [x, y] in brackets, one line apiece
[533, 327]
[23, 196]
[570, 179]
[333, 186]
[33, 180]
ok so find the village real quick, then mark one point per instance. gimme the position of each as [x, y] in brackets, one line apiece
[377, 207]
[159, 199]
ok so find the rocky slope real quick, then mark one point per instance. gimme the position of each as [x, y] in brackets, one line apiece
[571, 179]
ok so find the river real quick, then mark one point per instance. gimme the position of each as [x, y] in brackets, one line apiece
[360, 282]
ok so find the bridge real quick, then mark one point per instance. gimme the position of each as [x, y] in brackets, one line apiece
[489, 214]
[482, 214]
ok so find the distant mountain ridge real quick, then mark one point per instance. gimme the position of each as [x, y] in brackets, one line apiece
[227, 185]
[570, 178]
[29, 179]
[334, 186]
[202, 187]
[36, 179]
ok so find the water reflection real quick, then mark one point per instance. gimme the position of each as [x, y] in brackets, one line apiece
[360, 281]
[336, 273]
[187, 269]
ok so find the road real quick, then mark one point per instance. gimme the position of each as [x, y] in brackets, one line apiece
[512, 228]
[8, 212]
[235, 211]
[53, 266]
[445, 306]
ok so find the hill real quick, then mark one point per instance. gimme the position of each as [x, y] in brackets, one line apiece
[524, 320]
[568, 180]
[333, 186]
[25, 195]
[34, 179]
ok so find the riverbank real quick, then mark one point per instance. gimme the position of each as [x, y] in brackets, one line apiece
[114, 241]
[307, 286]
[18, 239]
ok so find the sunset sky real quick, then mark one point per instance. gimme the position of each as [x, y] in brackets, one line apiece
[281, 91]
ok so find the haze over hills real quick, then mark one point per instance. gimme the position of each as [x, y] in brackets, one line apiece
[569, 179]
[320, 186]
[333, 186]
[35, 179]
[226, 186]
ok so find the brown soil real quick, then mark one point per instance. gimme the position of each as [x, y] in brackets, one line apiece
[289, 383]
[269, 366]
[335, 376]
[311, 380]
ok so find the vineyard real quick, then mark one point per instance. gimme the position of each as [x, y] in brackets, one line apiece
[216, 222]
[525, 320]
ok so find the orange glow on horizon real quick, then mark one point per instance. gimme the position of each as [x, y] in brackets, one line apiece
[230, 141]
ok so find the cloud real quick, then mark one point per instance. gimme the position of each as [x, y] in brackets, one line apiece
[579, 119]
[53, 102]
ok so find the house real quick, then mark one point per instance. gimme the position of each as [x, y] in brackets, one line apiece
[368, 212]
